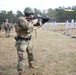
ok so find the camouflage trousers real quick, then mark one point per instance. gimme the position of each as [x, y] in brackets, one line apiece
[7, 33]
[22, 47]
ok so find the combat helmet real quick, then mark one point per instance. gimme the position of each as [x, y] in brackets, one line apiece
[28, 10]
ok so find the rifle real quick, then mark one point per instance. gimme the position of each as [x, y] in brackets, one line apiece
[41, 20]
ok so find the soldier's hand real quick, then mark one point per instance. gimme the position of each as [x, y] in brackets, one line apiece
[35, 21]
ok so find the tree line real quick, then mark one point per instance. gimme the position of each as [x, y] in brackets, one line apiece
[57, 14]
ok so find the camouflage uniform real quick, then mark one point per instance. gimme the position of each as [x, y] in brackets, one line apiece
[23, 42]
[7, 28]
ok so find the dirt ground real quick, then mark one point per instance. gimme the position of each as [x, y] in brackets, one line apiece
[55, 54]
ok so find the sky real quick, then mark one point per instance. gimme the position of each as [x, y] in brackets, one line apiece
[15, 5]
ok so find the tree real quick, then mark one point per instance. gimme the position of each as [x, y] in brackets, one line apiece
[10, 16]
[37, 11]
[51, 13]
[2, 16]
[19, 13]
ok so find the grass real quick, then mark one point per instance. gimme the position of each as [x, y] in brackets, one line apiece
[55, 53]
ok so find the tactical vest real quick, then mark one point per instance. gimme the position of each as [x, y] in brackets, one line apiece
[7, 26]
[23, 27]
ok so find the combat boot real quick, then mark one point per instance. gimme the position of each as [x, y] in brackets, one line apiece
[31, 65]
[20, 74]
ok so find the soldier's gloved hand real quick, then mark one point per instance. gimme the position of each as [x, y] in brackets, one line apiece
[35, 21]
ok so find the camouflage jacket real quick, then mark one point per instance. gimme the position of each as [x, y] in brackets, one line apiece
[23, 28]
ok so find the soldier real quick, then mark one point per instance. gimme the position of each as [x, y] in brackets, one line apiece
[2, 26]
[7, 28]
[24, 31]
